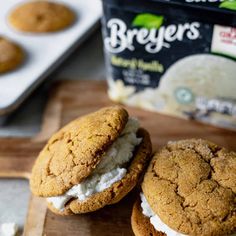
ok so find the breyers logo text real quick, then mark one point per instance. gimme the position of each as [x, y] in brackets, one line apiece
[154, 40]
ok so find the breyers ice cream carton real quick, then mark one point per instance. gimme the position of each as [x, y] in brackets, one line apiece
[176, 57]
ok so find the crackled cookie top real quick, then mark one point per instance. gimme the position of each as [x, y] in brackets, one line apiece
[74, 152]
[110, 169]
[41, 16]
[11, 55]
[114, 193]
[191, 186]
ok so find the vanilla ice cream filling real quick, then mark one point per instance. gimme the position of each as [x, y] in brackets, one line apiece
[110, 170]
[155, 220]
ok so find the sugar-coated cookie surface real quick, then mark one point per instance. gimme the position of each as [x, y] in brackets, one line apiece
[74, 151]
[191, 186]
[11, 55]
[41, 16]
[83, 150]
[119, 189]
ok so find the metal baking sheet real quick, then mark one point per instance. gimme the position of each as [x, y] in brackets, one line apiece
[44, 52]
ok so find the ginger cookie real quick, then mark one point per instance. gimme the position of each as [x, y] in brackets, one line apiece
[190, 189]
[11, 55]
[92, 162]
[41, 17]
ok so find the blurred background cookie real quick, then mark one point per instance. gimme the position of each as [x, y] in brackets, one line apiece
[41, 16]
[11, 55]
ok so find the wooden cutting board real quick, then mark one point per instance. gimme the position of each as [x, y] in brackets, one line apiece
[69, 100]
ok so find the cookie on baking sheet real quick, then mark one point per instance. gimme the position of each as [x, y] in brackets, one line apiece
[92, 162]
[41, 16]
[11, 55]
[189, 189]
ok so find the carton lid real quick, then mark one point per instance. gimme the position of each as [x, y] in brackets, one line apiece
[226, 6]
[221, 12]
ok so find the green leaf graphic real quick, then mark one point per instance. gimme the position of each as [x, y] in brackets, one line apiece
[229, 4]
[148, 21]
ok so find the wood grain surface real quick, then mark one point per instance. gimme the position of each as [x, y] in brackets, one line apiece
[69, 100]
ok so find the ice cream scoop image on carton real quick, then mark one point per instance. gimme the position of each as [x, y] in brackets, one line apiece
[201, 87]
